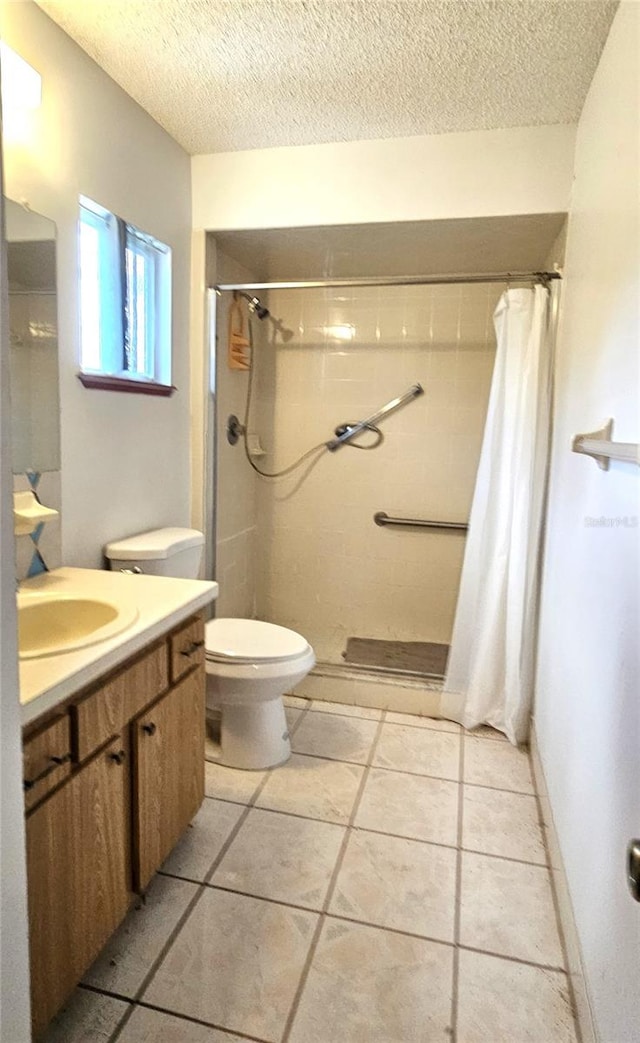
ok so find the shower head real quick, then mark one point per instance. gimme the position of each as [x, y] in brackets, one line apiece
[254, 304]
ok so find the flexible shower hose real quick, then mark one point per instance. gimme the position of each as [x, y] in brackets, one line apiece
[319, 449]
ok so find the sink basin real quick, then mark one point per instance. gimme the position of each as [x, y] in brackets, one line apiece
[49, 624]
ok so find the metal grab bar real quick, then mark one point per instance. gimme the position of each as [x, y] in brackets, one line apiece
[349, 431]
[382, 518]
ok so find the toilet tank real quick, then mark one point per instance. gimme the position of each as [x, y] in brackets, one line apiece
[161, 552]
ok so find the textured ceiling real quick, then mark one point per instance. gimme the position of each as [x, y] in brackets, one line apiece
[521, 243]
[223, 75]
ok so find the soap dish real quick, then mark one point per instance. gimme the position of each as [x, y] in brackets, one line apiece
[28, 513]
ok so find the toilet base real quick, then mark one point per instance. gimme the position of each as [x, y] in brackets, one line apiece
[254, 736]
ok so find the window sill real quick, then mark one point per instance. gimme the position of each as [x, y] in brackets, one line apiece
[103, 382]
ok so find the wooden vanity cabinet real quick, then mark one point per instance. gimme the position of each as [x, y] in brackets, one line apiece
[102, 822]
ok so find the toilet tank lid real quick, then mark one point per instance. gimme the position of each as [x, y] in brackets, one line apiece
[154, 545]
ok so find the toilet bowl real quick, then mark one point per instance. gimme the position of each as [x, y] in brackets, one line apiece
[250, 665]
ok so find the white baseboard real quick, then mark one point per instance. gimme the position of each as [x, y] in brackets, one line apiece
[565, 908]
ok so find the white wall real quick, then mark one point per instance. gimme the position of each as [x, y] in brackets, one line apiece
[125, 458]
[525, 170]
[587, 706]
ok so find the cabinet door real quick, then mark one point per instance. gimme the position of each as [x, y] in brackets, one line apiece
[168, 773]
[78, 861]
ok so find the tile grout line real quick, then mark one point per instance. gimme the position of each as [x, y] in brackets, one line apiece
[377, 833]
[125, 1017]
[236, 829]
[148, 978]
[329, 915]
[248, 806]
[251, 803]
[504, 858]
[154, 965]
[455, 981]
[499, 789]
[357, 716]
[473, 734]
[410, 724]
[165, 1010]
[369, 923]
[556, 908]
[332, 882]
[521, 961]
[304, 710]
[512, 959]
[380, 767]
[206, 1024]
[414, 774]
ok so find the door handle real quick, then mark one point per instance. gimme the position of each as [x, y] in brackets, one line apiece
[633, 868]
[118, 758]
[149, 729]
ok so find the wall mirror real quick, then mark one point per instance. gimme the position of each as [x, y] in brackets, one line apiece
[33, 326]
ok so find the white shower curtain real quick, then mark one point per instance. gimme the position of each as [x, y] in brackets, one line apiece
[491, 663]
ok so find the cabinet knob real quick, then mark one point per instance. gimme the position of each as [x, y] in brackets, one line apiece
[118, 757]
[61, 760]
[54, 762]
[190, 649]
[149, 729]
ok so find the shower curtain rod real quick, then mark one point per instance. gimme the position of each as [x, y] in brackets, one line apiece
[398, 280]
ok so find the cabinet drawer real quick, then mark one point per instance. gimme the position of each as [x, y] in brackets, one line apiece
[107, 710]
[187, 648]
[46, 758]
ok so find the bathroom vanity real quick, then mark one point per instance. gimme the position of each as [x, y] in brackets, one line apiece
[113, 773]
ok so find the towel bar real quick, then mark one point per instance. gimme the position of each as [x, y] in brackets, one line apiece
[598, 445]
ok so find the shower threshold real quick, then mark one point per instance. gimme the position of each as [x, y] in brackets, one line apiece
[409, 659]
[381, 689]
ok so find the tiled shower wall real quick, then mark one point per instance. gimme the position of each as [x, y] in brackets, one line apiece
[323, 567]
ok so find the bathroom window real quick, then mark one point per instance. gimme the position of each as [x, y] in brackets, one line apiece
[125, 305]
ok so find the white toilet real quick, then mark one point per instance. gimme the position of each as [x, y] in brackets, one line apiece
[249, 664]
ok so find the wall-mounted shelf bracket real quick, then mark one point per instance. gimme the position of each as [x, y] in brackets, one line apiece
[598, 445]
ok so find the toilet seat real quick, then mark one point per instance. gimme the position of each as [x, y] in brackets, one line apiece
[245, 641]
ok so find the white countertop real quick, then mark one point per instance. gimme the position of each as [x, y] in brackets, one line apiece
[161, 604]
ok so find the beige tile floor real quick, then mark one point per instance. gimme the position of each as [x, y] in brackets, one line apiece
[388, 885]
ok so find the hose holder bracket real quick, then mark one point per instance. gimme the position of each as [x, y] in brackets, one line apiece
[235, 430]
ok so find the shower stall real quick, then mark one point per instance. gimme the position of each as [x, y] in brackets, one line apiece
[359, 551]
